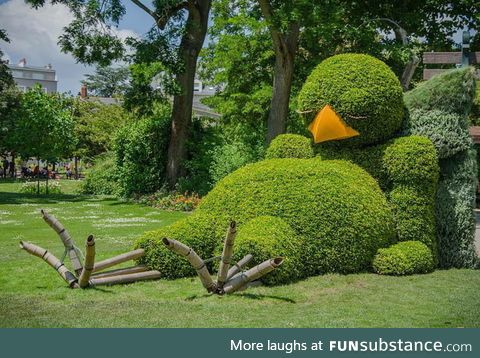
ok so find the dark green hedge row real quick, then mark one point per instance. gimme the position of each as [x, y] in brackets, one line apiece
[290, 146]
[362, 90]
[404, 258]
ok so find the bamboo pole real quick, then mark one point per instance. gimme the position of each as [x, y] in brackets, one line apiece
[50, 259]
[133, 277]
[124, 271]
[70, 249]
[195, 261]
[226, 254]
[242, 279]
[236, 268]
[131, 255]
[89, 262]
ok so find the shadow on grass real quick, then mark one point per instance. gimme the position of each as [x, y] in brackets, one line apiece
[251, 296]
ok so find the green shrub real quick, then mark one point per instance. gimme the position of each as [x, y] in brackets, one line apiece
[141, 152]
[448, 132]
[335, 205]
[266, 237]
[452, 92]
[362, 90]
[290, 146]
[475, 114]
[404, 258]
[102, 178]
[196, 231]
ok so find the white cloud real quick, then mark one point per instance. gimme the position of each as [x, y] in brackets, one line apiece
[34, 35]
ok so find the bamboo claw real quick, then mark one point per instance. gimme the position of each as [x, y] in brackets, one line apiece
[195, 260]
[113, 261]
[128, 278]
[226, 255]
[124, 271]
[239, 266]
[88, 266]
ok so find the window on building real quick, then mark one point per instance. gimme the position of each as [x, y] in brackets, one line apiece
[38, 76]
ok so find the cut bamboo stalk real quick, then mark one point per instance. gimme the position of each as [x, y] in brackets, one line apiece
[242, 279]
[195, 261]
[70, 249]
[119, 279]
[50, 259]
[124, 271]
[226, 254]
[89, 262]
[236, 268]
[131, 255]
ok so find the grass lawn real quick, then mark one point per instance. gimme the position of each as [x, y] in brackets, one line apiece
[32, 295]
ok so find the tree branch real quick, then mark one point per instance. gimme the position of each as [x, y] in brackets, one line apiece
[146, 9]
[267, 12]
[163, 19]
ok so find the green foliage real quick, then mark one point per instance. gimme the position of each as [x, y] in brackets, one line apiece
[31, 187]
[362, 90]
[45, 125]
[197, 231]
[290, 146]
[404, 258]
[103, 177]
[475, 114]
[107, 81]
[451, 92]
[448, 132]
[267, 237]
[335, 205]
[141, 150]
[96, 125]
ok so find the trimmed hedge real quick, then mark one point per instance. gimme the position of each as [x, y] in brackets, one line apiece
[407, 170]
[404, 258]
[362, 90]
[102, 178]
[335, 205]
[290, 146]
[439, 109]
[196, 231]
[451, 92]
[447, 131]
[266, 237]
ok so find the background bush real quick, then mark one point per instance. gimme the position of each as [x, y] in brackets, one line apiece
[439, 110]
[30, 187]
[290, 146]
[267, 237]
[362, 90]
[404, 258]
[103, 177]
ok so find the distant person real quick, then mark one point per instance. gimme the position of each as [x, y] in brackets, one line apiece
[5, 167]
[68, 172]
[12, 169]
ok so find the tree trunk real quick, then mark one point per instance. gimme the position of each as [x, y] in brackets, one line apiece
[76, 167]
[38, 176]
[190, 46]
[413, 62]
[286, 45]
[46, 183]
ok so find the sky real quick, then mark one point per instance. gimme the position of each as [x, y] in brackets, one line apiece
[34, 35]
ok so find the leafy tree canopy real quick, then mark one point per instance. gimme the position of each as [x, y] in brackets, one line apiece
[107, 81]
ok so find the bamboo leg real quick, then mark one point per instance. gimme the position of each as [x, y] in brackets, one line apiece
[226, 254]
[52, 261]
[128, 270]
[70, 248]
[239, 266]
[133, 277]
[132, 255]
[89, 262]
[241, 279]
[195, 261]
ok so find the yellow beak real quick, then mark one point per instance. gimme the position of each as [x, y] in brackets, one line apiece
[328, 125]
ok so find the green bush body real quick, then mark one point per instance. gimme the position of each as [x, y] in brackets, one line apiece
[141, 150]
[336, 206]
[102, 178]
[407, 170]
[290, 146]
[404, 258]
[266, 237]
[439, 110]
[362, 90]
[450, 92]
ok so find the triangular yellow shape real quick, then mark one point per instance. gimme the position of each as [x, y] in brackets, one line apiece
[328, 125]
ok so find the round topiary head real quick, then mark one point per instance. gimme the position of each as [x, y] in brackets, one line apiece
[290, 146]
[361, 99]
